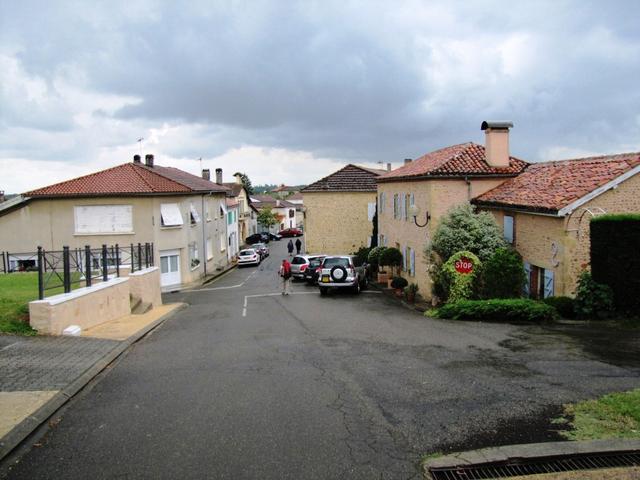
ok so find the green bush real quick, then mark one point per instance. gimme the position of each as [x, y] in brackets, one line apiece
[503, 275]
[374, 257]
[362, 254]
[565, 306]
[505, 310]
[459, 286]
[464, 229]
[390, 257]
[593, 300]
[399, 282]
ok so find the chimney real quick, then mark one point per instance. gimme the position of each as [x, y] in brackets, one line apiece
[136, 159]
[219, 176]
[407, 160]
[238, 178]
[277, 203]
[497, 143]
[206, 174]
[388, 167]
[148, 160]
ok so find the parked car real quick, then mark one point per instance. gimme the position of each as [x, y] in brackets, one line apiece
[290, 232]
[310, 274]
[249, 256]
[300, 263]
[262, 249]
[272, 236]
[257, 238]
[342, 271]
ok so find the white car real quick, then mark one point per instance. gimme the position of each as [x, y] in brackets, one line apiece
[249, 256]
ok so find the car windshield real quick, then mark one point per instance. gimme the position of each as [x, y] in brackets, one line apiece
[335, 261]
[315, 263]
[298, 261]
[245, 253]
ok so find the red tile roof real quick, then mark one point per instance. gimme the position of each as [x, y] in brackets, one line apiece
[129, 179]
[456, 160]
[351, 178]
[550, 186]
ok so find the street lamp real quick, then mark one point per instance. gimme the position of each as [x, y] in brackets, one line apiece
[414, 211]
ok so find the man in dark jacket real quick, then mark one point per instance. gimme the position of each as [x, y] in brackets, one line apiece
[290, 247]
[298, 246]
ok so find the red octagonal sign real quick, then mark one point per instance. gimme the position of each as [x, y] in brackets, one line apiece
[464, 265]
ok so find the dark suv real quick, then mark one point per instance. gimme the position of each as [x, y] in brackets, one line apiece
[312, 271]
[343, 271]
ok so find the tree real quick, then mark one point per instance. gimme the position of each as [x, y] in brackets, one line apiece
[464, 229]
[267, 218]
[245, 181]
[503, 275]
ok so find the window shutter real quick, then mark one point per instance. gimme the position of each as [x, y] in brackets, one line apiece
[413, 262]
[548, 283]
[404, 258]
[171, 216]
[508, 229]
[527, 285]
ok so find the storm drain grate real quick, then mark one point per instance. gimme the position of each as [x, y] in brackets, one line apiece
[520, 467]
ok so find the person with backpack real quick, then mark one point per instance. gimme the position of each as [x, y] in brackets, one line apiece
[285, 273]
[298, 246]
[290, 247]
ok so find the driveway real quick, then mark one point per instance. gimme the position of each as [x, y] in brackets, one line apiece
[249, 384]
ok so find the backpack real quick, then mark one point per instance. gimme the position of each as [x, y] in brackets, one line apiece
[286, 270]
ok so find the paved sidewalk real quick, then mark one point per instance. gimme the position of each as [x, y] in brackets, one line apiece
[39, 374]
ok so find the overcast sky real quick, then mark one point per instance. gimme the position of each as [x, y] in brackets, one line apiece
[289, 92]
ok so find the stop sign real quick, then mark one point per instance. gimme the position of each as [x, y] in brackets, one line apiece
[464, 265]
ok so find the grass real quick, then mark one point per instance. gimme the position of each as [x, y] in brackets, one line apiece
[16, 291]
[616, 415]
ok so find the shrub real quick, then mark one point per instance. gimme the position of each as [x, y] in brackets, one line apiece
[614, 257]
[390, 257]
[503, 275]
[506, 310]
[362, 254]
[399, 283]
[374, 255]
[464, 229]
[459, 286]
[565, 306]
[412, 288]
[593, 300]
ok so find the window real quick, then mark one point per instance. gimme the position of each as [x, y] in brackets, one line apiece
[395, 205]
[170, 215]
[412, 262]
[95, 219]
[209, 248]
[194, 258]
[221, 211]
[406, 204]
[194, 216]
[508, 229]
[230, 217]
[404, 259]
[371, 211]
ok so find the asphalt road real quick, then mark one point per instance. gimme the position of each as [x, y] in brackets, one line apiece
[248, 385]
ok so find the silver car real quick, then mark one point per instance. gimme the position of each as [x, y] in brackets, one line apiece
[300, 263]
[343, 271]
[262, 249]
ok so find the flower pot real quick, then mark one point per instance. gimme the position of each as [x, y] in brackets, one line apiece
[389, 280]
[398, 292]
[383, 277]
[411, 297]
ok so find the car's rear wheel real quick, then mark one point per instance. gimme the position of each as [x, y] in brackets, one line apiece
[365, 283]
[356, 287]
[323, 290]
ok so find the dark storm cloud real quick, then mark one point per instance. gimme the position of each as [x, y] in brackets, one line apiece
[354, 80]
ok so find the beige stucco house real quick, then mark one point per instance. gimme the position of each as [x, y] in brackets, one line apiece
[180, 213]
[433, 184]
[339, 210]
[239, 197]
[545, 214]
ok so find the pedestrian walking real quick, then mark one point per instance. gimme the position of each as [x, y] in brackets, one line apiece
[298, 246]
[290, 247]
[285, 273]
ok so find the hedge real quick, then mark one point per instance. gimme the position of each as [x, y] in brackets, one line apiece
[501, 310]
[615, 257]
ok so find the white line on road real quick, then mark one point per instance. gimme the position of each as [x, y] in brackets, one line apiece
[221, 288]
[275, 294]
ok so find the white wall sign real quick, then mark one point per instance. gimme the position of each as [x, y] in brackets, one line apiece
[98, 219]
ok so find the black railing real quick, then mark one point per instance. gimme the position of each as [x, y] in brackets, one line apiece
[60, 270]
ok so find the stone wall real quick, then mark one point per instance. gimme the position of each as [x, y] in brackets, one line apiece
[145, 285]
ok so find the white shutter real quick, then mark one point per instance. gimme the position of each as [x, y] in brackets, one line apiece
[404, 258]
[548, 283]
[194, 213]
[171, 216]
[527, 285]
[403, 204]
[508, 229]
[371, 211]
[413, 262]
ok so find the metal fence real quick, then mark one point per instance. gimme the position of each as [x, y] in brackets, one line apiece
[60, 270]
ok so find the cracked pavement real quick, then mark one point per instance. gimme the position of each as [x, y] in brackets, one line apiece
[308, 387]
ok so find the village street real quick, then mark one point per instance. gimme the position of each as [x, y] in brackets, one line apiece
[246, 385]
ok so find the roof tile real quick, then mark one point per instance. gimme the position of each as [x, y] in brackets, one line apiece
[351, 178]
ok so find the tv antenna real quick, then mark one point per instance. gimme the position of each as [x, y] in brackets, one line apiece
[140, 142]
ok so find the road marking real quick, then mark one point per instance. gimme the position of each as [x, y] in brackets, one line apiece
[221, 288]
[275, 294]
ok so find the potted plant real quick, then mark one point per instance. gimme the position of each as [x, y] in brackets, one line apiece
[410, 292]
[390, 257]
[374, 261]
[398, 284]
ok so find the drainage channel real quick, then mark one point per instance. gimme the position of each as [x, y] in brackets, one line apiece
[521, 467]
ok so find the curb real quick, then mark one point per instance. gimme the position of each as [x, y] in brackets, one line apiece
[21, 431]
[529, 451]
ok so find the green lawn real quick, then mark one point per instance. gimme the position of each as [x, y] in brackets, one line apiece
[616, 415]
[16, 291]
